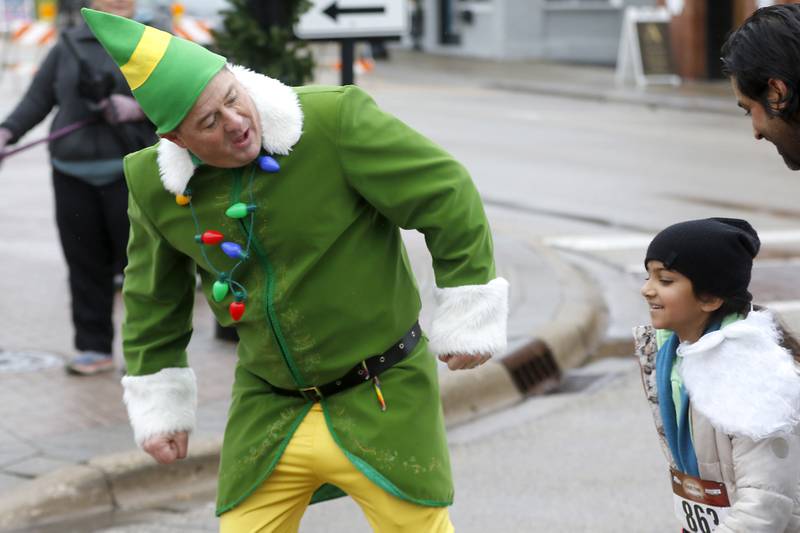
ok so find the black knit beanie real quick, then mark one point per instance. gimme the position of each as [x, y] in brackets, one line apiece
[716, 254]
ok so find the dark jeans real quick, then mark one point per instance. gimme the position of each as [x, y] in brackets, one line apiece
[93, 227]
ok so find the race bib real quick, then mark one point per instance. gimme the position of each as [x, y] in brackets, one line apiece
[700, 505]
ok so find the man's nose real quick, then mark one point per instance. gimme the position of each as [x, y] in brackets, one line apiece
[757, 134]
[233, 121]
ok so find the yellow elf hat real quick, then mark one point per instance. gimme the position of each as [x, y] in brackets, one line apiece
[165, 73]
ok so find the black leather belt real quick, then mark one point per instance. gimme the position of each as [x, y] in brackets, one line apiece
[375, 365]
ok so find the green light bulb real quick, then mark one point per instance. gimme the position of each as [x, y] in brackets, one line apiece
[219, 290]
[239, 210]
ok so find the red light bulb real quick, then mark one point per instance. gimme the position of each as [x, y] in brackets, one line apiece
[210, 237]
[236, 310]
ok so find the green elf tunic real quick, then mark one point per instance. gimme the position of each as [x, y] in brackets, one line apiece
[328, 284]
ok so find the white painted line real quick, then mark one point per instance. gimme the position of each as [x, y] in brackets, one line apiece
[779, 236]
[638, 268]
[777, 263]
[600, 243]
[640, 241]
[788, 306]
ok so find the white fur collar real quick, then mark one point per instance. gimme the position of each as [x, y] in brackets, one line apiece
[281, 126]
[742, 380]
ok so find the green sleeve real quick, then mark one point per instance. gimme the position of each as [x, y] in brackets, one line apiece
[417, 185]
[159, 297]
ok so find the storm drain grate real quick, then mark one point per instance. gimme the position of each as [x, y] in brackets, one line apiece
[19, 361]
[533, 368]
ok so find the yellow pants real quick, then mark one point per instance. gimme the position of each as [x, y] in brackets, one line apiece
[311, 459]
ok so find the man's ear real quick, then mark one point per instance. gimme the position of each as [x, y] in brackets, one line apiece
[174, 137]
[709, 304]
[776, 93]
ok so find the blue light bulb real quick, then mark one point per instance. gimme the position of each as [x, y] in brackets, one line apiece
[233, 250]
[268, 164]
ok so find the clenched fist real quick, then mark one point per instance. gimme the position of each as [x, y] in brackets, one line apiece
[167, 449]
[461, 361]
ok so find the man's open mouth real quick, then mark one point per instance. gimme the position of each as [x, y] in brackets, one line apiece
[242, 140]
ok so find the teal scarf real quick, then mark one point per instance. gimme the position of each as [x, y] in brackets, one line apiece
[677, 432]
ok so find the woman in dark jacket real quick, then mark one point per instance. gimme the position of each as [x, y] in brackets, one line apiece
[83, 82]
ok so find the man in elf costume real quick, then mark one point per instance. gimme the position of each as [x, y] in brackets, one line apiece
[289, 203]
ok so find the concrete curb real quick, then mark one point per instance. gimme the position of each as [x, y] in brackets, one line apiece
[565, 342]
[131, 480]
[126, 480]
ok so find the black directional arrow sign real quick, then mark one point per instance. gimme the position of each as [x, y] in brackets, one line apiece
[352, 19]
[333, 10]
[363, 19]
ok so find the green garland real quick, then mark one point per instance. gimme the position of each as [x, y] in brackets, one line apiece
[237, 289]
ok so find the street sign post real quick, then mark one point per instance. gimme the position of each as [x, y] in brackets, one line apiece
[348, 20]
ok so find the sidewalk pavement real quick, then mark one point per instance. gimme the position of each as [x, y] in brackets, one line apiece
[584, 82]
[65, 442]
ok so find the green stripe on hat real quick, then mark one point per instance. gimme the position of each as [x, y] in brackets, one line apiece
[176, 83]
[166, 73]
[118, 35]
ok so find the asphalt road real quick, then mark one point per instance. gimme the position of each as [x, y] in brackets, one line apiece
[592, 180]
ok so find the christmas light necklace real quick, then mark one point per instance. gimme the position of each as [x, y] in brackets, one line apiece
[225, 282]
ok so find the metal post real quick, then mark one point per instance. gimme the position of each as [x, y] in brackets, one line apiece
[348, 47]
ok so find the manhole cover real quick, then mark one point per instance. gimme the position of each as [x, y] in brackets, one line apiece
[13, 362]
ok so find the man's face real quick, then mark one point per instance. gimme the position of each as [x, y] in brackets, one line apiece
[122, 8]
[784, 135]
[222, 128]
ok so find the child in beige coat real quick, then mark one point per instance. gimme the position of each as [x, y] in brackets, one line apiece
[724, 392]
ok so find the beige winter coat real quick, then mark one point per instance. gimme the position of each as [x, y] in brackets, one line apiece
[744, 391]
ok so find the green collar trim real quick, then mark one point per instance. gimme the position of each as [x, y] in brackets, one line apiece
[196, 161]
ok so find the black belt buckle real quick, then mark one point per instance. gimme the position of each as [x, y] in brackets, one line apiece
[311, 393]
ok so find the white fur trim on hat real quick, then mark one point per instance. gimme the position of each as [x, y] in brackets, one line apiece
[161, 403]
[742, 380]
[471, 319]
[281, 117]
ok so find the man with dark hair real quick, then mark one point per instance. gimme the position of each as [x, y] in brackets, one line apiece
[762, 58]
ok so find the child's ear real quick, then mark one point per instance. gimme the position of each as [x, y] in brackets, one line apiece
[709, 304]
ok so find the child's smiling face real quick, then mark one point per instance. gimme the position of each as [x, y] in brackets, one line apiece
[673, 303]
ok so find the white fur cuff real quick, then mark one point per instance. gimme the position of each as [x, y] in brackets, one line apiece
[161, 403]
[471, 319]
